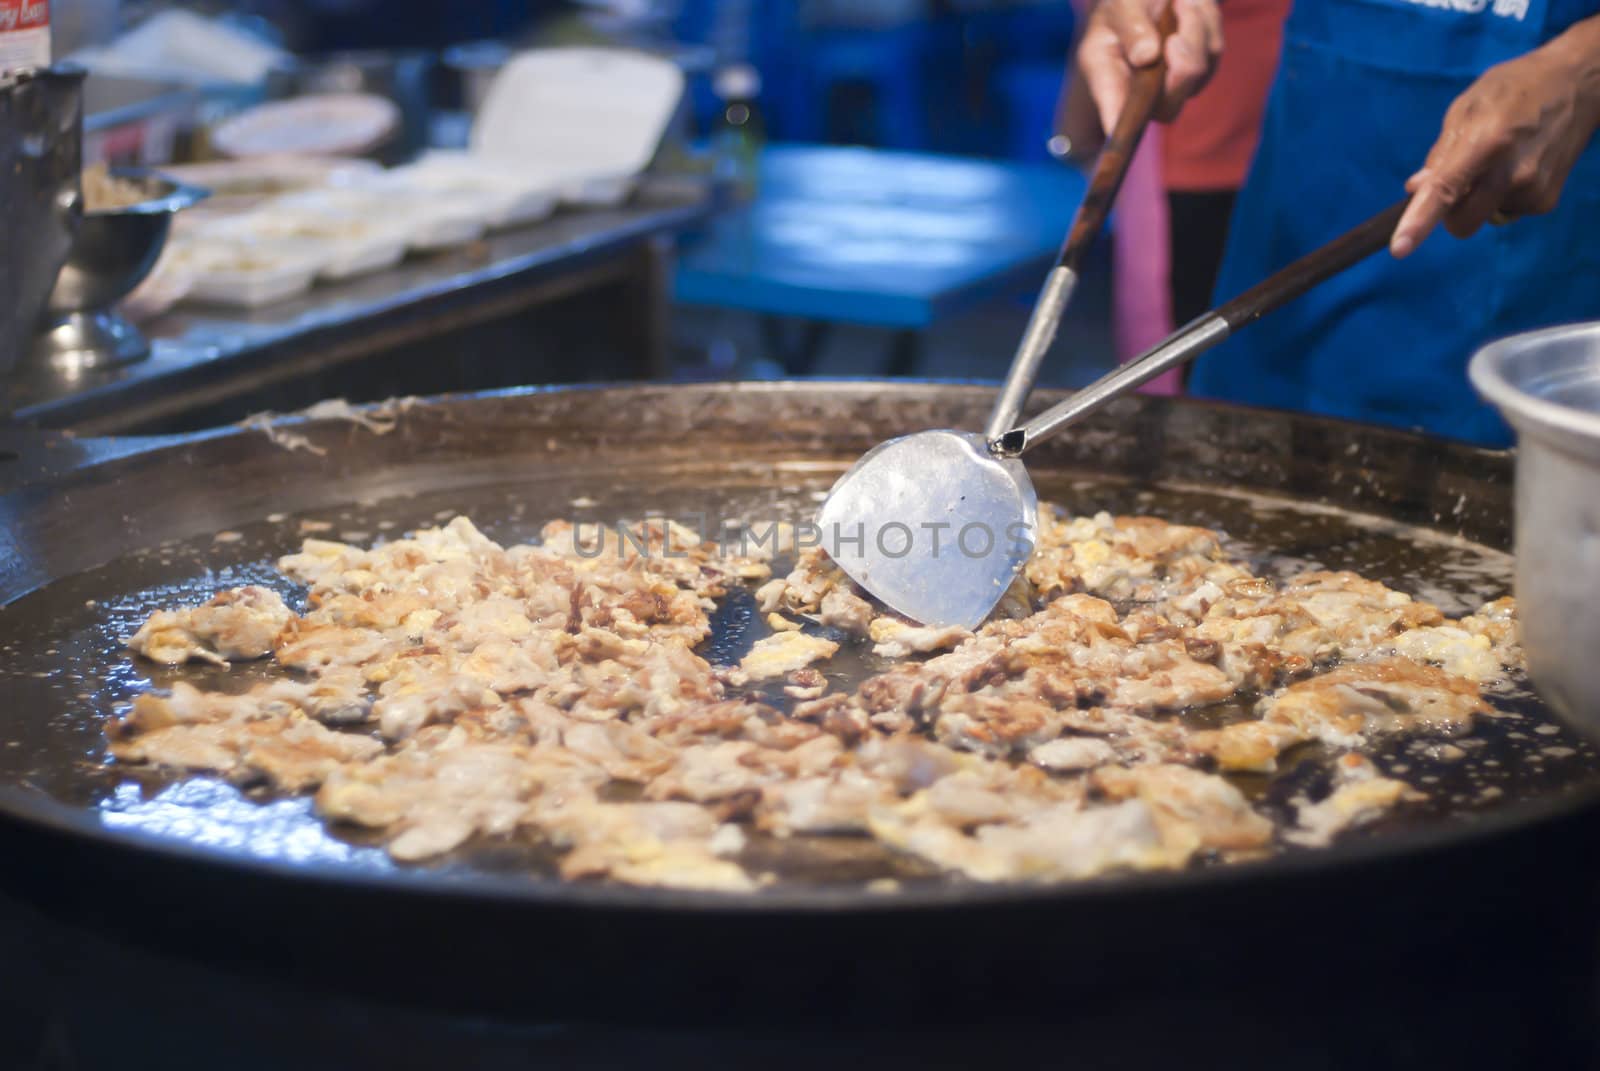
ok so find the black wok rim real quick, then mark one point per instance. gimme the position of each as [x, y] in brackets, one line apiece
[80, 828]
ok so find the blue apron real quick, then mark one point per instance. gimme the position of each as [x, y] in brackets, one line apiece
[1360, 93]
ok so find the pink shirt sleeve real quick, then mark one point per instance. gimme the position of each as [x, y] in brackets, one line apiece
[1210, 145]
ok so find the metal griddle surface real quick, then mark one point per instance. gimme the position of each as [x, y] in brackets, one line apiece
[63, 671]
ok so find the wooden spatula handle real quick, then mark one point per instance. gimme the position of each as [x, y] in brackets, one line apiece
[1326, 261]
[1111, 166]
[1199, 335]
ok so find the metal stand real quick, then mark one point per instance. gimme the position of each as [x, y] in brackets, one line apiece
[81, 341]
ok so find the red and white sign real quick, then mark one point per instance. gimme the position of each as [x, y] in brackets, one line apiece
[24, 34]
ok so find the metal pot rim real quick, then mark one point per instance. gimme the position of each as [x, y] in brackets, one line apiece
[1529, 413]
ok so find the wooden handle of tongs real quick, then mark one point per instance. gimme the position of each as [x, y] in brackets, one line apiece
[1194, 338]
[1353, 246]
[1110, 167]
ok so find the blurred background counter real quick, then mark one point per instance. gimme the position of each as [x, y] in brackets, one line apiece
[840, 189]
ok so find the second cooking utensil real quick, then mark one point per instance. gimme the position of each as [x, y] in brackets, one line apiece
[936, 524]
[1194, 338]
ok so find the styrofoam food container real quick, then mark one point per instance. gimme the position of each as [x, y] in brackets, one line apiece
[446, 229]
[598, 191]
[249, 273]
[350, 245]
[429, 222]
[574, 182]
[505, 199]
[350, 261]
[598, 111]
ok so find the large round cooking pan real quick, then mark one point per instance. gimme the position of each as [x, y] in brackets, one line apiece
[1489, 888]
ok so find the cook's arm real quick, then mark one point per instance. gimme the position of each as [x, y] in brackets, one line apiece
[1509, 142]
[1121, 35]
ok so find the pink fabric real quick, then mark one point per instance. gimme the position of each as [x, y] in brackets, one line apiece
[1141, 295]
[1141, 301]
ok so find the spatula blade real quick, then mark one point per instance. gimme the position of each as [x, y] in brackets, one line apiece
[932, 524]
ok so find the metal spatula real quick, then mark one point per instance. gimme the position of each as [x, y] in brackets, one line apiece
[936, 524]
[905, 483]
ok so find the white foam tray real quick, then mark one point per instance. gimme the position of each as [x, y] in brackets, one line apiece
[575, 115]
[428, 222]
[248, 274]
[503, 198]
[599, 191]
[344, 247]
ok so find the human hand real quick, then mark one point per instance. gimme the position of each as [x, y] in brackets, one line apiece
[1508, 142]
[1121, 35]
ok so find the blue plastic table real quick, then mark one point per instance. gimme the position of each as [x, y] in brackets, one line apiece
[889, 239]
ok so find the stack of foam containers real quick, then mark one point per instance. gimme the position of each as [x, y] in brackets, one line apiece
[573, 126]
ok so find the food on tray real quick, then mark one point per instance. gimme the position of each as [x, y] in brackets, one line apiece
[241, 270]
[340, 246]
[429, 222]
[503, 197]
[441, 688]
[267, 175]
[105, 192]
[270, 223]
[237, 255]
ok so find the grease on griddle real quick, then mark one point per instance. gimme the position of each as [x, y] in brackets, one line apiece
[57, 747]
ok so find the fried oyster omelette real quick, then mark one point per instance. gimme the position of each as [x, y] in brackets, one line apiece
[442, 688]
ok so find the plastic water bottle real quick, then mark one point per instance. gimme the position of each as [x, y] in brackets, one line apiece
[740, 132]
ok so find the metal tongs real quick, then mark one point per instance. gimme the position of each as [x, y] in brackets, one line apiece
[937, 524]
[1204, 332]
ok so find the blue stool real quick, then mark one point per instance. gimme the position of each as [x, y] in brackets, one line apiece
[893, 240]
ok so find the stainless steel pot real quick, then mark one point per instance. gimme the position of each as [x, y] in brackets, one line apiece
[1547, 383]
